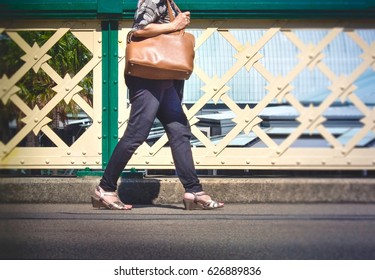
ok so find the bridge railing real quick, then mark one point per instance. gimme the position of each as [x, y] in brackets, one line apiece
[275, 85]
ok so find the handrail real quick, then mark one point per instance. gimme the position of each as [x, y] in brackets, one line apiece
[218, 9]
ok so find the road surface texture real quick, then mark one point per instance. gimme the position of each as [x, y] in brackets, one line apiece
[160, 232]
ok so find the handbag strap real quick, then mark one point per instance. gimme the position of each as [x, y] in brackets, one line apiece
[171, 16]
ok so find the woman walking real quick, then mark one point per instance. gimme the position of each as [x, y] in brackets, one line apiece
[152, 99]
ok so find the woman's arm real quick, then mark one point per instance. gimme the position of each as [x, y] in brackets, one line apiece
[154, 29]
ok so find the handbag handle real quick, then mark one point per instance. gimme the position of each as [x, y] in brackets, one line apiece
[171, 16]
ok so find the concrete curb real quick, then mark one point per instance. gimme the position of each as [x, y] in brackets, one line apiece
[160, 190]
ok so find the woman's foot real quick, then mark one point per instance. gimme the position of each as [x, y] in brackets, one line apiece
[200, 201]
[109, 200]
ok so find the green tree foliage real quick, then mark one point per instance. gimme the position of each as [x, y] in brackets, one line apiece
[68, 56]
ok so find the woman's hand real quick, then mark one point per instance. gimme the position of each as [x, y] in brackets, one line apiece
[153, 29]
[181, 21]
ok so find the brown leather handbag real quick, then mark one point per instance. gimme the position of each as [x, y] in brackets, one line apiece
[163, 57]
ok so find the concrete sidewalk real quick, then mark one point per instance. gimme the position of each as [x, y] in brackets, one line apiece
[165, 189]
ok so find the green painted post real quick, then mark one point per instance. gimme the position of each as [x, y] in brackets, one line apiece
[109, 10]
[110, 89]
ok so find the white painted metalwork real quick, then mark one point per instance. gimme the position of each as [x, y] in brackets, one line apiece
[279, 129]
[85, 151]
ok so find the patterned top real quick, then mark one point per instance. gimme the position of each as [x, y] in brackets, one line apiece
[152, 11]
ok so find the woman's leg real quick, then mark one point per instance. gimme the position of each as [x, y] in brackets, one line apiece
[144, 106]
[177, 127]
[178, 130]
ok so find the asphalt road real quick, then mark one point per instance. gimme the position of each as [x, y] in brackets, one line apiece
[166, 232]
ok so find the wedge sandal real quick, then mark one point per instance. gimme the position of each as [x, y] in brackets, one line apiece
[197, 204]
[98, 200]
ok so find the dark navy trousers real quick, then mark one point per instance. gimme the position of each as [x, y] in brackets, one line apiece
[152, 99]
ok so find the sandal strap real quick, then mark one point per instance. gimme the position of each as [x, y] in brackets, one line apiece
[210, 204]
[116, 204]
[109, 194]
[104, 193]
[196, 196]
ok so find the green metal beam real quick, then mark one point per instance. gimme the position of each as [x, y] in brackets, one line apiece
[271, 9]
[110, 8]
[47, 5]
[109, 89]
[47, 9]
[60, 9]
[246, 9]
